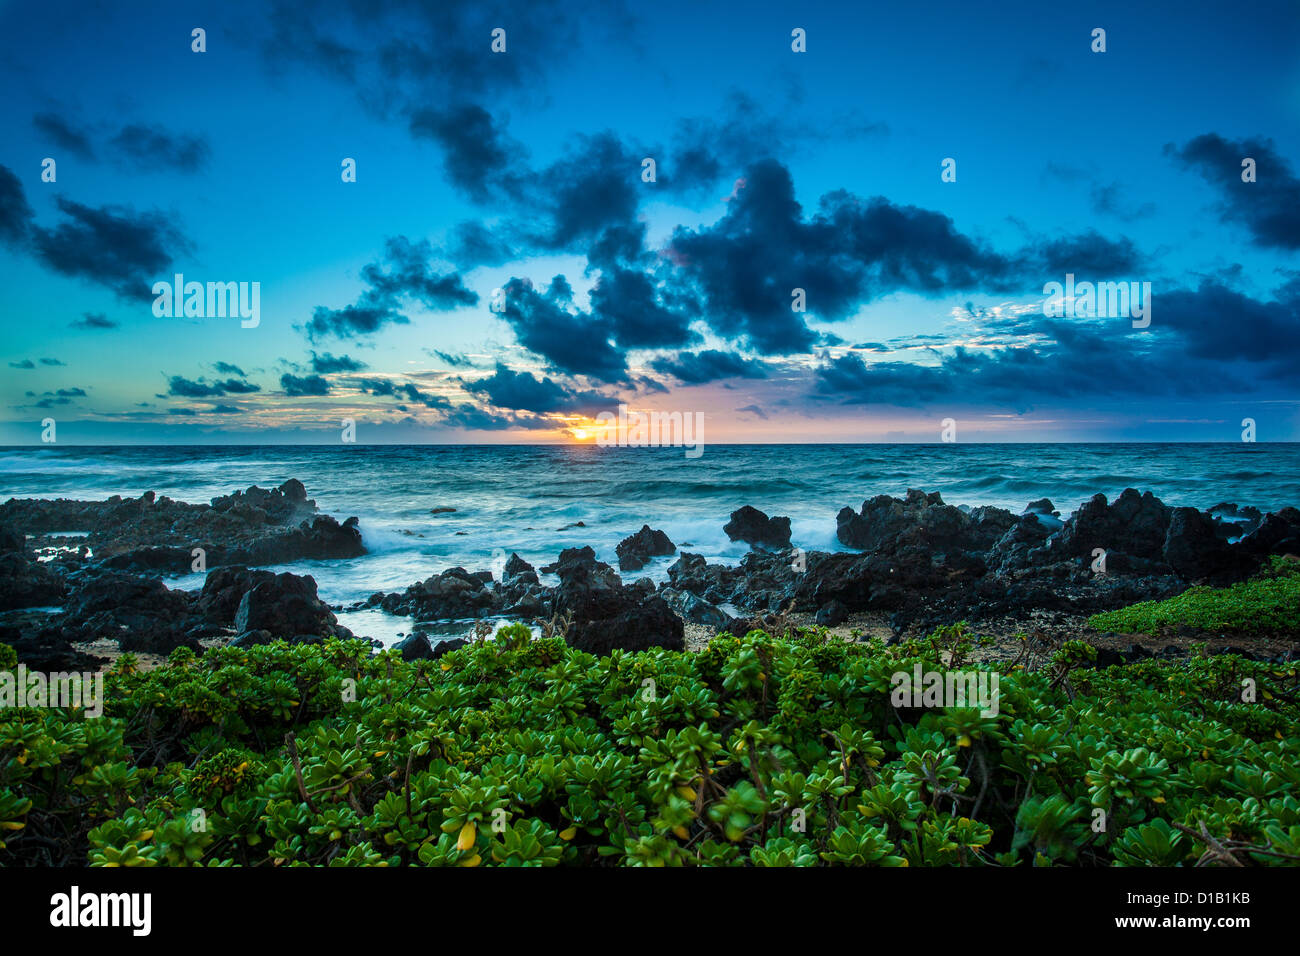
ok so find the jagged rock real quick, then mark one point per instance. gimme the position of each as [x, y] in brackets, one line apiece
[1194, 549]
[635, 551]
[223, 590]
[693, 609]
[1278, 533]
[27, 583]
[1136, 524]
[285, 606]
[752, 526]
[12, 540]
[141, 614]
[604, 615]
[455, 594]
[519, 571]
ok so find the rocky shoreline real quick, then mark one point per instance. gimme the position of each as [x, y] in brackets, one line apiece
[80, 577]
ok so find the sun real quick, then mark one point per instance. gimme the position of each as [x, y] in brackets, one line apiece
[580, 434]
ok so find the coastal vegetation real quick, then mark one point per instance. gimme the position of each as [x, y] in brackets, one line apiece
[1266, 603]
[764, 750]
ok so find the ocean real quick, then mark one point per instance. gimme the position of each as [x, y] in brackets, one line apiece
[529, 499]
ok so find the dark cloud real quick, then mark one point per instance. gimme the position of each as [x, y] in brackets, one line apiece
[754, 410]
[1088, 255]
[225, 368]
[1208, 341]
[696, 368]
[1269, 207]
[716, 148]
[399, 56]
[746, 265]
[24, 364]
[15, 213]
[110, 245]
[63, 135]
[402, 275]
[327, 363]
[297, 386]
[94, 320]
[506, 388]
[630, 305]
[52, 362]
[456, 361]
[474, 244]
[406, 391]
[153, 149]
[477, 154]
[186, 388]
[351, 320]
[547, 324]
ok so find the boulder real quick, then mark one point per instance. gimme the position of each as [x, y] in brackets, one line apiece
[223, 590]
[604, 615]
[831, 614]
[752, 526]
[635, 551]
[285, 606]
[518, 570]
[1195, 550]
[693, 609]
[416, 647]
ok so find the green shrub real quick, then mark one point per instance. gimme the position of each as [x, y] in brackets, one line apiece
[1266, 604]
[755, 751]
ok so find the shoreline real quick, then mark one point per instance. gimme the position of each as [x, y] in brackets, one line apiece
[80, 577]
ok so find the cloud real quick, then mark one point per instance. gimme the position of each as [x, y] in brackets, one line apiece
[52, 362]
[405, 391]
[1269, 208]
[63, 135]
[456, 361]
[476, 152]
[225, 368]
[1207, 341]
[24, 364]
[402, 275]
[709, 149]
[754, 410]
[472, 244]
[297, 386]
[186, 388]
[153, 149]
[326, 364]
[94, 320]
[546, 323]
[696, 368]
[506, 388]
[110, 245]
[15, 213]
[850, 251]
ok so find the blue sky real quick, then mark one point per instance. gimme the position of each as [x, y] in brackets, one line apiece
[480, 171]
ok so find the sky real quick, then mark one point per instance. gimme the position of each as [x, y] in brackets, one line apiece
[848, 232]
